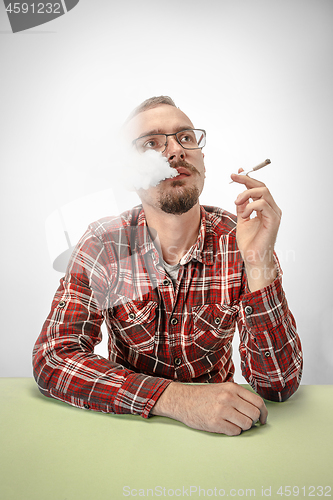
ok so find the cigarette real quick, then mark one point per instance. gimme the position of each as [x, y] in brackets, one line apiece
[258, 167]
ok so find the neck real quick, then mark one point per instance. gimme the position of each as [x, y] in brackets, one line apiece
[175, 233]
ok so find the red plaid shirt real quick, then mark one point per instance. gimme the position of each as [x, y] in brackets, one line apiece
[157, 331]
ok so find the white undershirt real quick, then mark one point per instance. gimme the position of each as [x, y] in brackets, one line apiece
[172, 271]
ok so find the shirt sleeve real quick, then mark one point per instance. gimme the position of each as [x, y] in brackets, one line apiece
[64, 364]
[270, 348]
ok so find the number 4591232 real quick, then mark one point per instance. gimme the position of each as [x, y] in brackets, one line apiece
[39, 8]
[310, 491]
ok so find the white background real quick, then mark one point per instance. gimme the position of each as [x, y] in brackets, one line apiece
[256, 74]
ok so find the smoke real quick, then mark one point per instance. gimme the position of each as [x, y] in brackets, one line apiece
[141, 171]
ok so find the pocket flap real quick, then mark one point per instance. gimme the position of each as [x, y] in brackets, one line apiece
[214, 316]
[135, 311]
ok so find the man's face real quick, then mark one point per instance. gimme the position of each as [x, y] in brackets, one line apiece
[178, 194]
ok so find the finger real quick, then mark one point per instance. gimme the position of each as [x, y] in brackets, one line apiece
[263, 414]
[246, 180]
[229, 428]
[241, 211]
[240, 170]
[256, 194]
[249, 411]
[254, 400]
[242, 412]
[239, 420]
[261, 207]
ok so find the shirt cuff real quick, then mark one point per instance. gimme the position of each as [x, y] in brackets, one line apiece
[265, 309]
[139, 393]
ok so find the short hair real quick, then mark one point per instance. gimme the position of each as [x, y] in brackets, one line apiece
[150, 103]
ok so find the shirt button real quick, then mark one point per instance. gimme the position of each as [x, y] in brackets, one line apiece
[248, 310]
[131, 316]
[217, 321]
[86, 406]
[166, 282]
[62, 303]
[174, 321]
[267, 354]
[178, 361]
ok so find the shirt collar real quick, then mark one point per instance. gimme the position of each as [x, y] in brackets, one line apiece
[202, 250]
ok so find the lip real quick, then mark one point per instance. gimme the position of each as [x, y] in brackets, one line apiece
[182, 172]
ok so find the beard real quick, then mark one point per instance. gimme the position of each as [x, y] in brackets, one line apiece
[179, 201]
[176, 199]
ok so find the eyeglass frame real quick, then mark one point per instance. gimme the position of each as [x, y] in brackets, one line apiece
[175, 134]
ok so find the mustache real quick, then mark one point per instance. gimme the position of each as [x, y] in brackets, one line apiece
[183, 163]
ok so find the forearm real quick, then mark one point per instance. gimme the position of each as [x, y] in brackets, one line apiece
[260, 275]
[171, 402]
[63, 370]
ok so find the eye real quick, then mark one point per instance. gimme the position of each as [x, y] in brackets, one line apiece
[187, 137]
[155, 142]
[151, 144]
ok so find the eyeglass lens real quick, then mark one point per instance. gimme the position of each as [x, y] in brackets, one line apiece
[188, 139]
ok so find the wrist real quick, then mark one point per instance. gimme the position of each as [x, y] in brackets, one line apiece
[260, 276]
[174, 401]
[164, 406]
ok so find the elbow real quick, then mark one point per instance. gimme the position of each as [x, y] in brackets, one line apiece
[286, 393]
[40, 371]
[280, 393]
[278, 396]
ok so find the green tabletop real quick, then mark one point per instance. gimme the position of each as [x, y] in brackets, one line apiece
[50, 450]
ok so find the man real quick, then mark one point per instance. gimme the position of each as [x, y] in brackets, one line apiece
[171, 278]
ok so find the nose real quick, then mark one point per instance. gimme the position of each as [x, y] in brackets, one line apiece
[174, 151]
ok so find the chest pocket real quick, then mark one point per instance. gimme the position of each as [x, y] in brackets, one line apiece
[134, 323]
[213, 325]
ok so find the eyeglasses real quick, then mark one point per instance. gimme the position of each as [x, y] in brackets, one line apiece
[188, 139]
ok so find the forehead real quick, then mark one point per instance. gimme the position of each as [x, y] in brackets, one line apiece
[164, 119]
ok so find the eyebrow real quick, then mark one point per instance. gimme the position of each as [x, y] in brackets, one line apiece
[160, 131]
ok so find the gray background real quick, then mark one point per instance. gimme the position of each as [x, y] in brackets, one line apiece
[256, 74]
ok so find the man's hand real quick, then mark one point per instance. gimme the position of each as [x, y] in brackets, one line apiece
[256, 237]
[224, 408]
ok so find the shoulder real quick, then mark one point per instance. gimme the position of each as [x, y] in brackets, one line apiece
[107, 226]
[221, 222]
